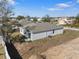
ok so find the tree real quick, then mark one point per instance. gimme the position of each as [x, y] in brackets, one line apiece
[5, 9]
[20, 17]
[28, 18]
[35, 19]
[5, 13]
[17, 37]
[46, 18]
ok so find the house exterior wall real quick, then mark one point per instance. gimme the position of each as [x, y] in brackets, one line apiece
[37, 36]
[56, 32]
[21, 30]
[49, 33]
[61, 22]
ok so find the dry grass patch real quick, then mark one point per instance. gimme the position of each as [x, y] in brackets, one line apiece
[1, 52]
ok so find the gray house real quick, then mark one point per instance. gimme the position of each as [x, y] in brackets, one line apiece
[40, 30]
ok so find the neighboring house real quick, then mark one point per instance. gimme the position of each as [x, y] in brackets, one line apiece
[54, 20]
[40, 30]
[31, 19]
[61, 21]
[12, 18]
[65, 20]
[39, 19]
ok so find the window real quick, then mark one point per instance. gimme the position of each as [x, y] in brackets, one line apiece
[53, 31]
[29, 35]
[27, 30]
[24, 32]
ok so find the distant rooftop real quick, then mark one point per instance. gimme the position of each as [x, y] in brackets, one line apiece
[24, 22]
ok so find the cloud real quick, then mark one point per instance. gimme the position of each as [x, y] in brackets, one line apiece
[77, 1]
[54, 9]
[11, 2]
[63, 5]
[60, 6]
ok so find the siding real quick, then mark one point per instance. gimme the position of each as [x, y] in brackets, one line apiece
[46, 34]
[60, 31]
[21, 30]
[50, 33]
[38, 36]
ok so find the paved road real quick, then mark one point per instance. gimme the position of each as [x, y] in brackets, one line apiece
[69, 50]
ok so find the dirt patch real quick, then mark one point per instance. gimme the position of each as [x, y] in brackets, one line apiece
[68, 50]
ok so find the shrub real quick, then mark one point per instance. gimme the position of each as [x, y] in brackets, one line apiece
[17, 37]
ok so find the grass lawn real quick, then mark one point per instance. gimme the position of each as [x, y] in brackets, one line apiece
[39, 46]
[72, 25]
[1, 52]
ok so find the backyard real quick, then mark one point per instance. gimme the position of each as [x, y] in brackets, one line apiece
[37, 47]
[72, 25]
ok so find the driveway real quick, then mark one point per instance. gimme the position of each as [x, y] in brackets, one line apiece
[69, 50]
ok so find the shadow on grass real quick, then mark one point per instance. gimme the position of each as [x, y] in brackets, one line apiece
[12, 51]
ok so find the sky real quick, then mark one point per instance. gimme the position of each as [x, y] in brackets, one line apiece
[54, 8]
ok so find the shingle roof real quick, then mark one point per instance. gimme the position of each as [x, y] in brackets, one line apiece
[41, 27]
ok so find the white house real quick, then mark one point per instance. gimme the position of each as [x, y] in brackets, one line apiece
[39, 19]
[40, 30]
[65, 20]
